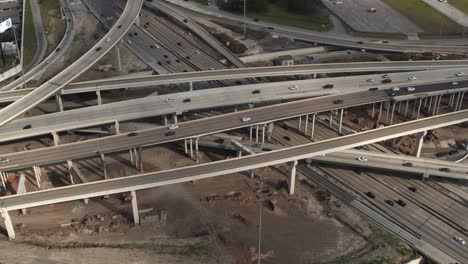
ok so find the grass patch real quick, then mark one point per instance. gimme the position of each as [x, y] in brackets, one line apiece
[29, 36]
[279, 15]
[379, 260]
[426, 17]
[461, 5]
[392, 241]
[54, 25]
[201, 2]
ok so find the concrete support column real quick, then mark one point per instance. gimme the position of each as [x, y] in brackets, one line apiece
[393, 112]
[419, 108]
[271, 126]
[197, 155]
[175, 118]
[191, 86]
[250, 133]
[37, 175]
[185, 146]
[99, 98]
[314, 76]
[430, 104]
[418, 144]
[69, 167]
[379, 115]
[292, 177]
[59, 102]
[373, 110]
[313, 126]
[331, 118]
[399, 107]
[117, 61]
[140, 158]
[306, 124]
[460, 104]
[256, 133]
[263, 133]
[104, 167]
[8, 224]
[137, 159]
[450, 103]
[56, 138]
[438, 105]
[117, 127]
[165, 120]
[406, 108]
[191, 148]
[136, 216]
[130, 151]
[299, 127]
[22, 189]
[387, 109]
[239, 154]
[3, 178]
[341, 119]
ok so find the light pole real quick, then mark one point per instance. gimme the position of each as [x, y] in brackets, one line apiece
[260, 179]
[245, 17]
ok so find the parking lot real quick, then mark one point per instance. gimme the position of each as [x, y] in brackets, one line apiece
[356, 14]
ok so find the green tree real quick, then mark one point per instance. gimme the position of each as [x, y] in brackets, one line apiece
[238, 5]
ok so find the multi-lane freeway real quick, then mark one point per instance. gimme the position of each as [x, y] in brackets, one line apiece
[56, 83]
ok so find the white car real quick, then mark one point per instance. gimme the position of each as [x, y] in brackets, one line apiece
[459, 240]
[4, 160]
[370, 80]
[410, 89]
[454, 83]
[168, 100]
[246, 119]
[107, 39]
[396, 89]
[362, 158]
[412, 78]
[157, 46]
[460, 74]
[338, 2]
[197, 52]
[443, 1]
[129, 41]
[172, 127]
[294, 87]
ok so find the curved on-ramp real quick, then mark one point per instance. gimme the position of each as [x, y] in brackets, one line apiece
[123, 24]
[57, 53]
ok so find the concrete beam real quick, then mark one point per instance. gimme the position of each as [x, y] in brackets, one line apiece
[8, 224]
[136, 216]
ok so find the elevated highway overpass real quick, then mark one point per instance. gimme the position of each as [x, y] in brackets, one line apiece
[55, 84]
[451, 68]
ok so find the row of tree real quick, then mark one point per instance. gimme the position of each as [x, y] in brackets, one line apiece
[296, 6]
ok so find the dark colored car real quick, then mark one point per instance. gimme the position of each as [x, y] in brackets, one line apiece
[407, 164]
[373, 89]
[287, 138]
[133, 134]
[445, 169]
[98, 48]
[401, 203]
[255, 19]
[256, 92]
[271, 28]
[338, 101]
[119, 26]
[27, 127]
[328, 86]
[386, 80]
[360, 42]
[185, 20]
[170, 133]
[390, 202]
[370, 195]
[188, 100]
[413, 189]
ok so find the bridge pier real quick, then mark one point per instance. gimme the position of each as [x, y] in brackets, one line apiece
[341, 119]
[8, 224]
[419, 108]
[103, 164]
[22, 189]
[331, 118]
[59, 102]
[392, 113]
[197, 156]
[373, 110]
[313, 126]
[117, 60]
[306, 124]
[191, 86]
[70, 173]
[419, 142]
[37, 175]
[271, 126]
[175, 118]
[136, 216]
[99, 98]
[292, 177]
[299, 127]
[379, 115]
[56, 138]
[3, 178]
[117, 127]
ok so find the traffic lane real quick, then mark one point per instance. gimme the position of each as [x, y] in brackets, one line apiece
[186, 129]
[430, 88]
[218, 168]
[84, 62]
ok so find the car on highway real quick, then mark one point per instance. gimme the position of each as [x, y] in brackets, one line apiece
[4, 160]
[445, 169]
[386, 80]
[410, 89]
[246, 119]
[385, 76]
[460, 74]
[129, 41]
[362, 158]
[370, 195]
[293, 87]
[370, 80]
[459, 240]
[172, 127]
[27, 127]
[170, 133]
[169, 100]
[412, 78]
[188, 100]
[271, 28]
[396, 89]
[339, 101]
[47, 61]
[98, 48]
[407, 164]
[373, 89]
[454, 83]
[413, 189]
[107, 39]
[390, 202]
[133, 134]
[328, 86]
[401, 203]
[256, 92]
